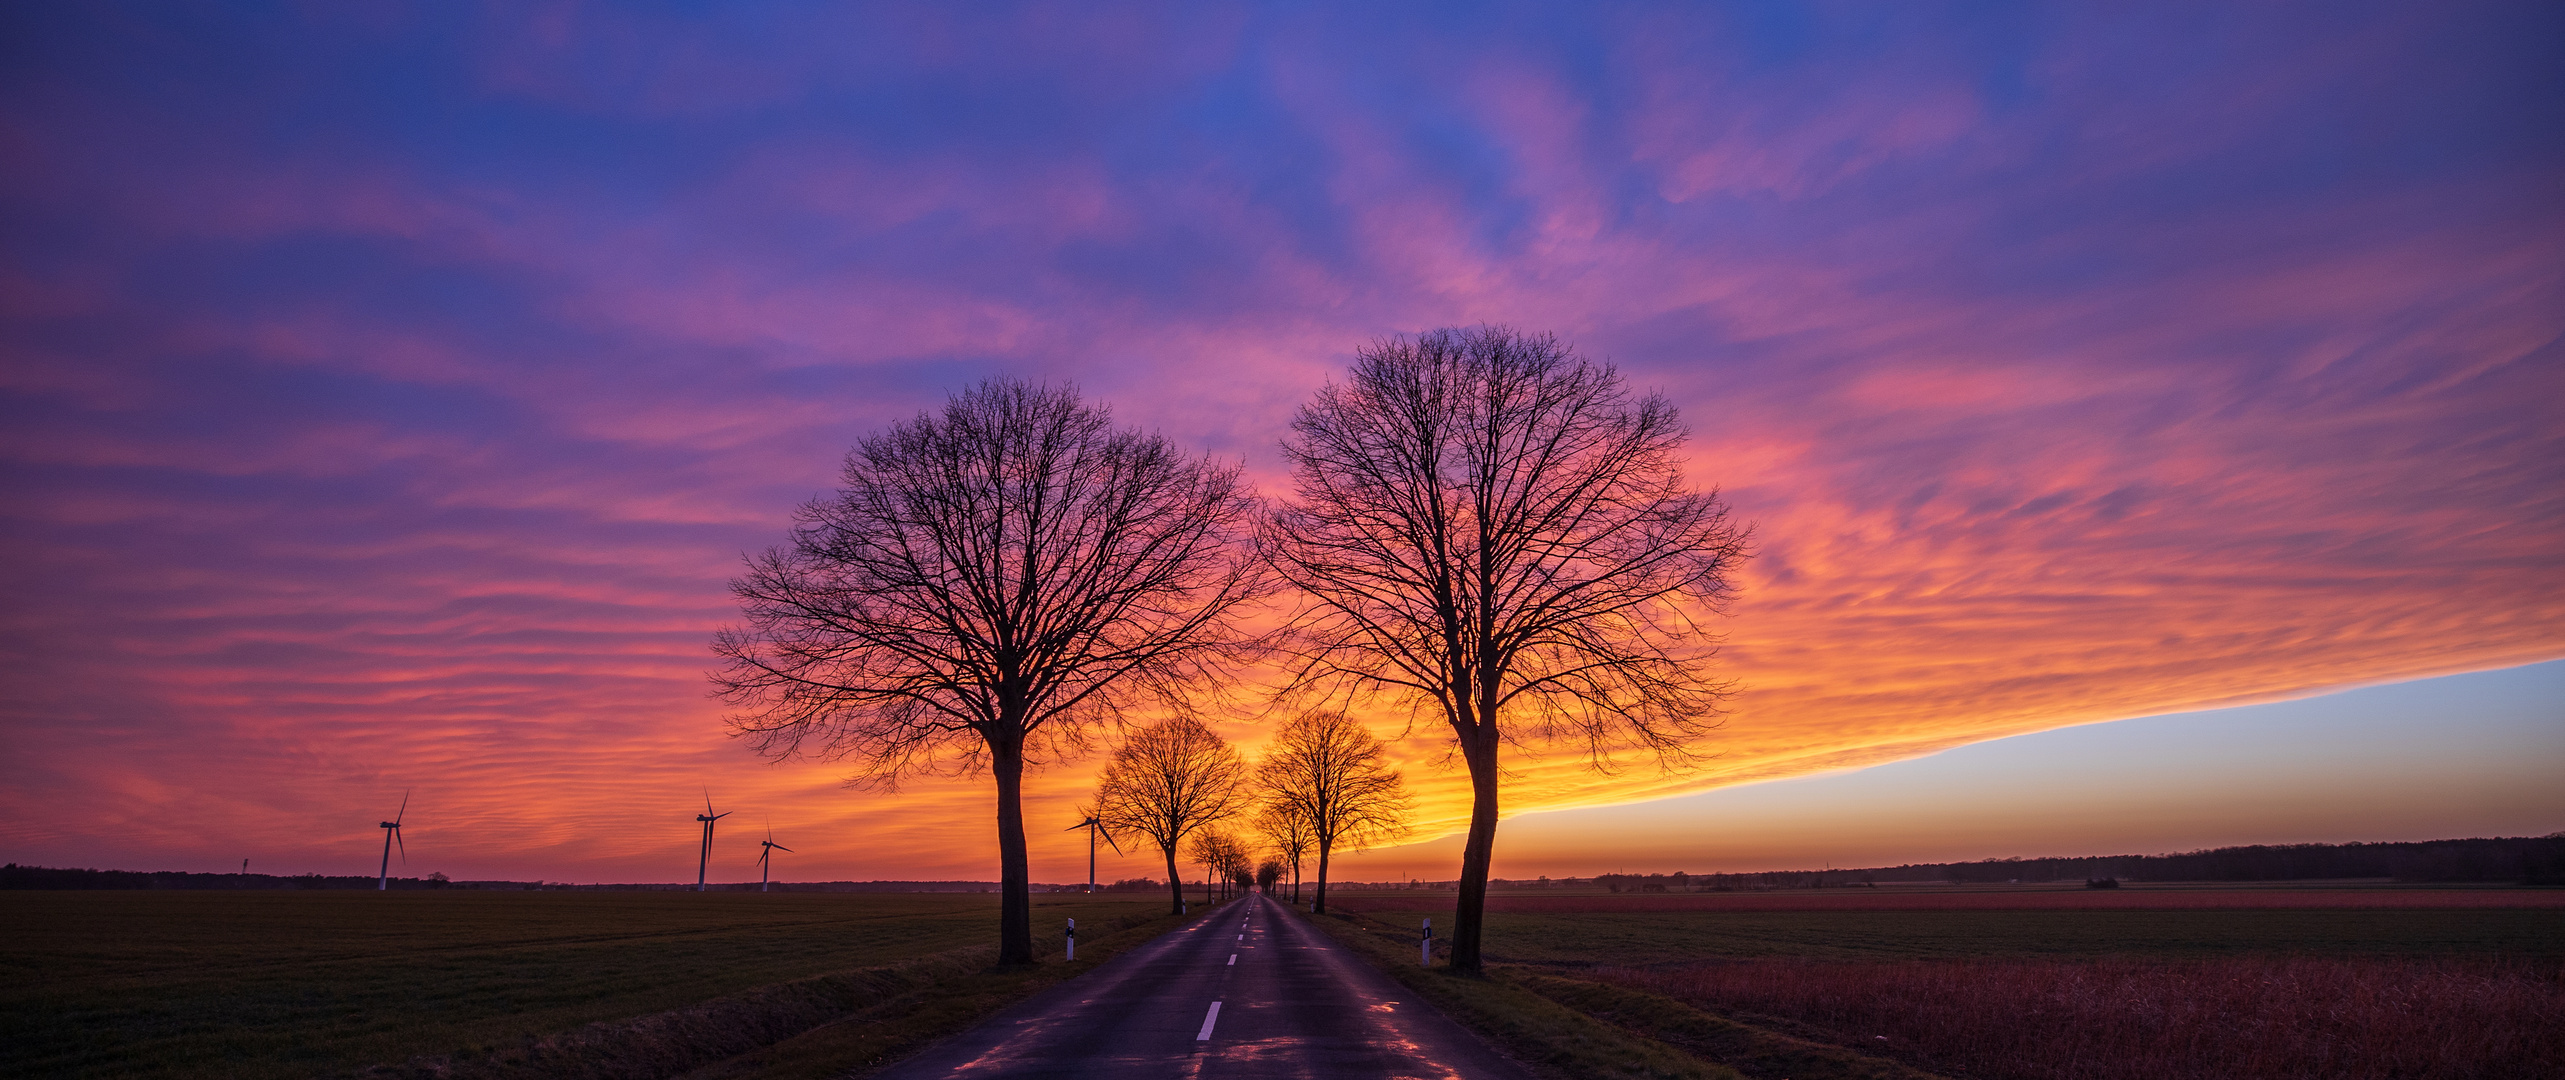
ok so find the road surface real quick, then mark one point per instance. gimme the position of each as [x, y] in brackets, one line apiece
[1247, 992]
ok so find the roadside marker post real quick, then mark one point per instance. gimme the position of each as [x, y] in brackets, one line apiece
[1073, 939]
[1425, 944]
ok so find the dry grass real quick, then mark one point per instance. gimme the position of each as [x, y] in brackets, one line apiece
[2057, 983]
[2244, 1018]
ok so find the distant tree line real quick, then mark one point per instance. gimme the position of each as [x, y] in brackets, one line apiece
[14, 876]
[2526, 860]
[2534, 860]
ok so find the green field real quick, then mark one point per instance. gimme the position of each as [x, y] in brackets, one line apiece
[275, 984]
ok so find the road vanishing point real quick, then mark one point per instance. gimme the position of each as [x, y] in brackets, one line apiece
[1248, 992]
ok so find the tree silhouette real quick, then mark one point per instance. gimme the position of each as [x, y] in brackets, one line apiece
[1169, 781]
[1287, 829]
[990, 585]
[1494, 530]
[1325, 772]
[1223, 859]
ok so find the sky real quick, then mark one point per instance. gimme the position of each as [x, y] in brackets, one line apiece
[391, 390]
[2461, 755]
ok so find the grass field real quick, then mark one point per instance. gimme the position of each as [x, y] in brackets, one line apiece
[2139, 1019]
[1619, 930]
[2018, 983]
[2032, 983]
[2000, 898]
[275, 984]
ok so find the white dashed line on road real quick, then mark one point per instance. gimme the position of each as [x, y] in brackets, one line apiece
[1233, 959]
[1208, 1019]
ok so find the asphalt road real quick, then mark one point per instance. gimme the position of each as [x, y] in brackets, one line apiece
[1247, 992]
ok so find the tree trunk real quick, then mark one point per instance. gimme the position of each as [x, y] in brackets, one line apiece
[1015, 876]
[1469, 922]
[1320, 906]
[1175, 886]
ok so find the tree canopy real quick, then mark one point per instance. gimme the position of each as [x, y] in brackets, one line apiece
[990, 585]
[1492, 529]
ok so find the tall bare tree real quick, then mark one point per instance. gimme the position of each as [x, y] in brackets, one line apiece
[1326, 770]
[1493, 529]
[990, 586]
[1170, 781]
[1287, 829]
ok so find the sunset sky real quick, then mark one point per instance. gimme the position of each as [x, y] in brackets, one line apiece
[391, 390]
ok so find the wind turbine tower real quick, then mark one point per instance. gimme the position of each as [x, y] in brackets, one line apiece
[1093, 826]
[768, 852]
[704, 863]
[391, 835]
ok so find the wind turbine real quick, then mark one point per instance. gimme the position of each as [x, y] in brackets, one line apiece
[391, 835]
[707, 817]
[768, 852]
[1093, 826]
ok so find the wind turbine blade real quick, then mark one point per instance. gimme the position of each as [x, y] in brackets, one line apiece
[405, 846]
[780, 847]
[405, 807]
[707, 801]
[719, 816]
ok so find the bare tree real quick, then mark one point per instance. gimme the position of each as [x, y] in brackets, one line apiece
[1237, 866]
[1222, 858]
[1287, 829]
[1170, 781]
[1326, 770]
[1494, 530]
[989, 587]
[1268, 873]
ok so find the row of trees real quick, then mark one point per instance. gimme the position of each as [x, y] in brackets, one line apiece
[1324, 785]
[1483, 528]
